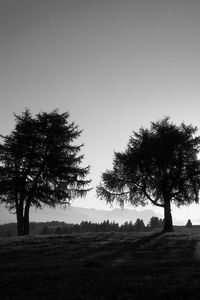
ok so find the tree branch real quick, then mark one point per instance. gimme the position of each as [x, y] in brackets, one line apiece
[152, 201]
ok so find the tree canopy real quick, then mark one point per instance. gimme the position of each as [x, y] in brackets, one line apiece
[159, 165]
[40, 165]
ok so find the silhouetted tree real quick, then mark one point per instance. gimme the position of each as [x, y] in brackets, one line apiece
[155, 222]
[139, 225]
[189, 224]
[39, 164]
[160, 165]
[126, 227]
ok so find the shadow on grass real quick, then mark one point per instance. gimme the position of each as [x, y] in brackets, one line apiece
[147, 239]
[102, 267]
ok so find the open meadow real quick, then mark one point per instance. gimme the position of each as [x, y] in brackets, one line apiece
[102, 266]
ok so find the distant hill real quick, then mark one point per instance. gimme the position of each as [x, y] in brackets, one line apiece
[76, 215]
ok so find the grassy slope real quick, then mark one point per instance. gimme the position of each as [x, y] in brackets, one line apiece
[101, 266]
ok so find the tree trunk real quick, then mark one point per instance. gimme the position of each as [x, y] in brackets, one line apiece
[19, 212]
[26, 219]
[168, 226]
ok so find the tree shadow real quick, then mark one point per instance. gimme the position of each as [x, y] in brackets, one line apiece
[147, 239]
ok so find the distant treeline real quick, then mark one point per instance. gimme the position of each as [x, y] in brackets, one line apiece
[55, 227]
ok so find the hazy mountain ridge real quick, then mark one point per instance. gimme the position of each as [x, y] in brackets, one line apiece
[76, 215]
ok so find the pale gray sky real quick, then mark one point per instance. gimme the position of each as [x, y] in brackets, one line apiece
[115, 65]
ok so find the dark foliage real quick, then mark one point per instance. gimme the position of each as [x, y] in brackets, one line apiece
[159, 165]
[189, 224]
[40, 164]
[55, 227]
[86, 226]
[139, 225]
[155, 222]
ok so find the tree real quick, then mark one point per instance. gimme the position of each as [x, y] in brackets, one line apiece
[127, 227]
[189, 224]
[159, 165]
[139, 225]
[155, 222]
[39, 164]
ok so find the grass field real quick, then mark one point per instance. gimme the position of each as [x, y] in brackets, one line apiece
[102, 266]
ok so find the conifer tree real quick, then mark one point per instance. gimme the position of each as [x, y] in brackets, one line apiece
[40, 165]
[160, 165]
[189, 224]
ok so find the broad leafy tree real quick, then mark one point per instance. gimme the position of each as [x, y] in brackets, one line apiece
[159, 165]
[40, 165]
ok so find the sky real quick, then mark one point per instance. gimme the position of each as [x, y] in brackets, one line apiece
[115, 65]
